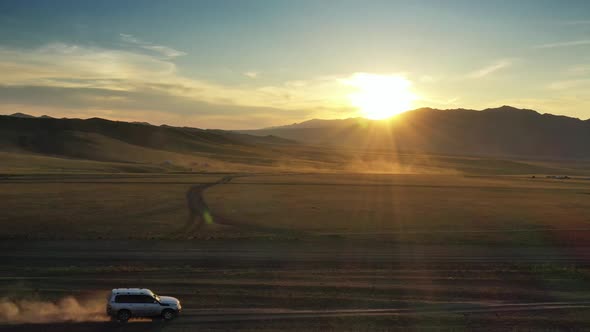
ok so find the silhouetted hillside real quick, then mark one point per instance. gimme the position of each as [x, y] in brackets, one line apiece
[22, 115]
[504, 131]
[100, 139]
[444, 142]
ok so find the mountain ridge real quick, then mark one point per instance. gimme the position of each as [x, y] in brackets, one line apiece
[499, 131]
[104, 140]
[503, 131]
[317, 123]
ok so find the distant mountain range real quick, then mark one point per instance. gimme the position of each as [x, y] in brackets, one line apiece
[504, 131]
[501, 133]
[28, 116]
[103, 140]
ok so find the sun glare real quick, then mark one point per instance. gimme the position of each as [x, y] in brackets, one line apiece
[380, 96]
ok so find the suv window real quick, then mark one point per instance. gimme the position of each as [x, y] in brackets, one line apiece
[130, 299]
[146, 299]
[122, 298]
[134, 299]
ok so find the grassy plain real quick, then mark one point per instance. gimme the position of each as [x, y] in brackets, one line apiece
[445, 248]
[501, 210]
[403, 208]
[95, 206]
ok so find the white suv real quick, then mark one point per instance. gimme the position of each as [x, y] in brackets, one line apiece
[124, 303]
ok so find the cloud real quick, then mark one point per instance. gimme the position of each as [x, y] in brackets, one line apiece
[489, 69]
[99, 79]
[578, 70]
[163, 50]
[140, 106]
[438, 101]
[568, 84]
[251, 74]
[62, 65]
[571, 43]
[428, 79]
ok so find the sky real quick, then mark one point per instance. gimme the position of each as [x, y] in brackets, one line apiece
[246, 64]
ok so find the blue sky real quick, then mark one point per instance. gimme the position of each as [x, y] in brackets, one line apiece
[249, 64]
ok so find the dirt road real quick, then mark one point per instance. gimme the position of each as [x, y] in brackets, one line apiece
[307, 285]
[249, 318]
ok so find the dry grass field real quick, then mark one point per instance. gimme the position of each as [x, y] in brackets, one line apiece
[406, 208]
[95, 206]
[292, 251]
[413, 208]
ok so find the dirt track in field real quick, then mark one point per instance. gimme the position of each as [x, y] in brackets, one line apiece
[200, 214]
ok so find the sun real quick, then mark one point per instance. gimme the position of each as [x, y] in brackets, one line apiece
[380, 96]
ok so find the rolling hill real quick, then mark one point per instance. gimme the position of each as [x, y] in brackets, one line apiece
[158, 147]
[494, 141]
[497, 132]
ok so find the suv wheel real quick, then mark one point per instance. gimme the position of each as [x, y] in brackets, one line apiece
[168, 314]
[123, 315]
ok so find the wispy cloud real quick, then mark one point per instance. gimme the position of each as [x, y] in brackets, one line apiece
[251, 74]
[568, 84]
[428, 79]
[490, 69]
[64, 65]
[161, 49]
[578, 70]
[570, 43]
[94, 78]
[439, 101]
